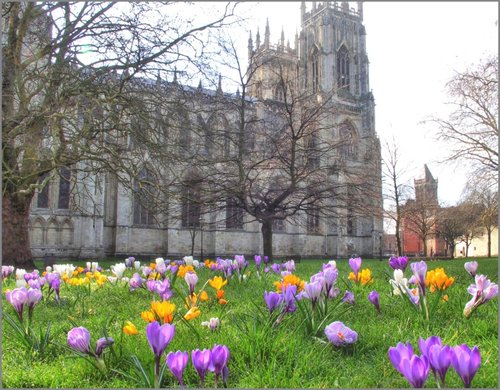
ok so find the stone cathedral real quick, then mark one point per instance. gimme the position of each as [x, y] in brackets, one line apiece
[328, 57]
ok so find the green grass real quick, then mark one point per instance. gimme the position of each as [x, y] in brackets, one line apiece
[261, 356]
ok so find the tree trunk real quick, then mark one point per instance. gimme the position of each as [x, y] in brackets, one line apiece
[267, 238]
[16, 249]
[398, 239]
[452, 248]
[489, 242]
[425, 247]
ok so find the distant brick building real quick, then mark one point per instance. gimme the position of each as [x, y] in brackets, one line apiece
[420, 218]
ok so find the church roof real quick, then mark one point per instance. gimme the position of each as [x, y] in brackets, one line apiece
[425, 174]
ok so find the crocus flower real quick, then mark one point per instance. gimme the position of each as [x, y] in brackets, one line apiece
[399, 353]
[348, 297]
[398, 262]
[355, 264]
[192, 313]
[374, 298]
[313, 291]
[482, 291]
[273, 300]
[135, 282]
[7, 270]
[161, 268]
[129, 261]
[466, 362]
[416, 370]
[471, 268]
[191, 279]
[340, 335]
[201, 361]
[220, 357]
[424, 345]
[34, 296]
[163, 289]
[79, 339]
[419, 271]
[118, 269]
[399, 282]
[147, 271]
[102, 343]
[258, 261]
[289, 296]
[18, 298]
[276, 268]
[177, 362]
[137, 265]
[188, 260]
[289, 265]
[217, 282]
[440, 360]
[159, 336]
[130, 328]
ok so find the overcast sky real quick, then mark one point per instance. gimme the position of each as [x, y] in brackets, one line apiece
[414, 48]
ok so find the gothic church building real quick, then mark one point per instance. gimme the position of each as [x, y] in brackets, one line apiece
[328, 57]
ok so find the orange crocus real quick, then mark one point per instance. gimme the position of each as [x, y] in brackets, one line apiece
[204, 296]
[437, 279]
[220, 294]
[148, 316]
[222, 301]
[184, 269]
[289, 280]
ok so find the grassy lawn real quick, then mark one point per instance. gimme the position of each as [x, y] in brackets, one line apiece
[261, 356]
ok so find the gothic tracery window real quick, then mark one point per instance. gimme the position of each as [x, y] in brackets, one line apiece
[343, 80]
[347, 141]
[143, 198]
[191, 207]
[64, 188]
[315, 70]
[43, 194]
[234, 215]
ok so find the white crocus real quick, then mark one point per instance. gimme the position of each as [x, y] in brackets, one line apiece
[119, 269]
[196, 264]
[398, 282]
[333, 263]
[188, 260]
[20, 274]
[93, 266]
[48, 269]
[212, 324]
[137, 265]
[159, 260]
[20, 283]
[69, 270]
[89, 265]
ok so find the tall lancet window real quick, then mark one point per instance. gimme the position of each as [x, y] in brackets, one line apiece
[315, 70]
[343, 68]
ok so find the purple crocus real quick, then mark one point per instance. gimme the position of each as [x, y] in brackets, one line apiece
[201, 361]
[161, 268]
[416, 370]
[177, 362]
[420, 271]
[34, 296]
[159, 336]
[7, 270]
[18, 298]
[466, 362]
[340, 335]
[399, 262]
[330, 274]
[79, 339]
[482, 291]
[424, 345]
[440, 360]
[102, 343]
[355, 264]
[258, 261]
[273, 300]
[374, 298]
[163, 289]
[54, 282]
[313, 291]
[289, 297]
[191, 279]
[276, 267]
[399, 353]
[220, 357]
[348, 297]
[135, 282]
[471, 268]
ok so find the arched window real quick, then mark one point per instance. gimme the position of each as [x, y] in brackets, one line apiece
[279, 92]
[343, 79]
[143, 202]
[64, 188]
[313, 153]
[191, 207]
[347, 141]
[313, 220]
[42, 201]
[315, 69]
[234, 215]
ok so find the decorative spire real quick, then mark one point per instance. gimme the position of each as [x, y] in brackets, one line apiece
[250, 46]
[360, 9]
[282, 40]
[257, 39]
[266, 35]
[302, 11]
[314, 6]
[158, 78]
[345, 6]
[200, 87]
[175, 75]
[219, 86]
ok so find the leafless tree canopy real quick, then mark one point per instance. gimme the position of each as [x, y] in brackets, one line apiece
[471, 131]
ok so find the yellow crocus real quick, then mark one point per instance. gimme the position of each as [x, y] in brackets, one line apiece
[437, 279]
[192, 313]
[148, 316]
[184, 269]
[364, 277]
[164, 310]
[130, 328]
[289, 280]
[204, 296]
[102, 279]
[217, 282]
[191, 300]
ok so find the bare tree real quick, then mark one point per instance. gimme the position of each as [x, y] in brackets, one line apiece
[420, 218]
[279, 161]
[471, 130]
[470, 216]
[396, 191]
[65, 99]
[450, 227]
